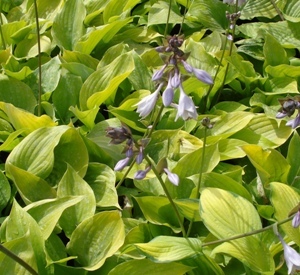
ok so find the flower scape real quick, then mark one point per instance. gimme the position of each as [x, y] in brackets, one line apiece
[149, 137]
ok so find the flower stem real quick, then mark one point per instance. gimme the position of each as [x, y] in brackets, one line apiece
[168, 19]
[247, 234]
[39, 58]
[17, 259]
[200, 177]
[1, 32]
[277, 10]
[168, 195]
[155, 121]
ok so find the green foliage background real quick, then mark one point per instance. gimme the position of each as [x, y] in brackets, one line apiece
[60, 209]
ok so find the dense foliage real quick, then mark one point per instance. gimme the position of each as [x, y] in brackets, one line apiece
[149, 137]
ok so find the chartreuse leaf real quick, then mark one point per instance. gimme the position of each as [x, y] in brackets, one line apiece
[101, 179]
[293, 158]
[168, 249]
[47, 212]
[65, 30]
[269, 163]
[264, 131]
[147, 267]
[188, 208]
[225, 182]
[21, 119]
[86, 117]
[230, 148]
[228, 124]
[17, 93]
[283, 70]
[35, 153]
[20, 224]
[72, 184]
[66, 95]
[11, 141]
[158, 210]
[30, 187]
[291, 11]
[5, 191]
[103, 83]
[103, 33]
[209, 13]
[96, 239]
[226, 214]
[284, 198]
[253, 9]
[272, 45]
[193, 161]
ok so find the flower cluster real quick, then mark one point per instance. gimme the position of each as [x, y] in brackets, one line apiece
[288, 106]
[122, 134]
[170, 76]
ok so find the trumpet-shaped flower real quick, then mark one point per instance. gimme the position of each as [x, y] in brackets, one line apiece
[121, 164]
[147, 104]
[291, 256]
[294, 122]
[176, 79]
[186, 107]
[168, 94]
[296, 220]
[141, 174]
[158, 74]
[203, 76]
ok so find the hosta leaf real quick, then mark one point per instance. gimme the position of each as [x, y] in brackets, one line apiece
[269, 163]
[103, 34]
[264, 131]
[226, 214]
[230, 148]
[101, 179]
[86, 117]
[30, 187]
[103, 83]
[291, 11]
[21, 119]
[188, 208]
[147, 267]
[226, 183]
[35, 153]
[116, 9]
[17, 93]
[96, 239]
[167, 249]
[253, 9]
[209, 13]
[65, 30]
[5, 191]
[72, 184]
[293, 158]
[20, 224]
[158, 210]
[47, 212]
[284, 198]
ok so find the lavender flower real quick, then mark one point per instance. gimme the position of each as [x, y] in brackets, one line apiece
[147, 104]
[296, 220]
[173, 178]
[176, 79]
[121, 164]
[294, 123]
[291, 256]
[168, 94]
[158, 74]
[141, 174]
[203, 76]
[186, 107]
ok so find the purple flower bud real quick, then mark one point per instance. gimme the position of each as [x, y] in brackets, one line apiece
[296, 220]
[121, 164]
[129, 152]
[167, 96]
[203, 76]
[140, 156]
[187, 66]
[173, 178]
[281, 115]
[160, 49]
[176, 79]
[158, 74]
[141, 174]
